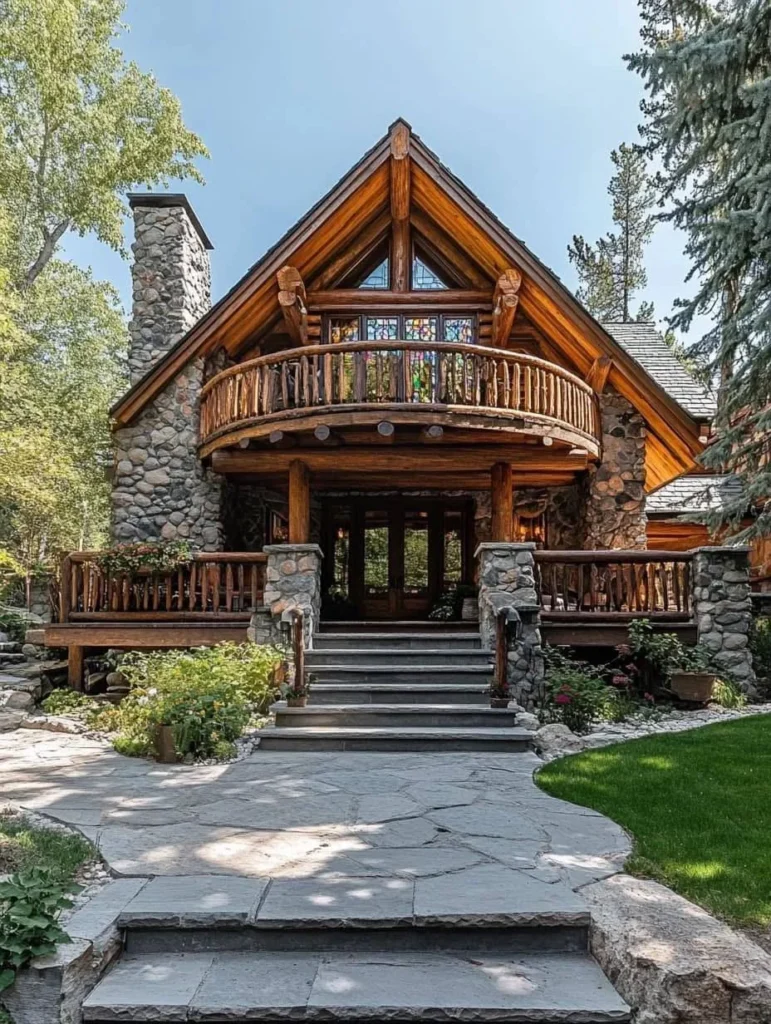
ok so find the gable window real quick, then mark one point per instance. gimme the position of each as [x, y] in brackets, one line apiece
[424, 278]
[405, 327]
[380, 277]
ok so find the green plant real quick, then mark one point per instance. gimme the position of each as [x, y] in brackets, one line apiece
[727, 694]
[450, 604]
[31, 902]
[14, 624]
[651, 657]
[206, 695]
[156, 556]
[67, 702]
[298, 688]
[576, 693]
[760, 648]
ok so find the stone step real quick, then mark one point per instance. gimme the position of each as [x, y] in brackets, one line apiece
[399, 693]
[10, 647]
[394, 716]
[393, 641]
[438, 675]
[456, 739]
[431, 986]
[389, 626]
[399, 657]
[12, 658]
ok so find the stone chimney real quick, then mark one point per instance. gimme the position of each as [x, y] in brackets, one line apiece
[171, 276]
[160, 487]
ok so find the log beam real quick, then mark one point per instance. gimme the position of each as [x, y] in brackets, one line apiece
[294, 303]
[597, 376]
[502, 500]
[401, 249]
[356, 298]
[505, 302]
[299, 502]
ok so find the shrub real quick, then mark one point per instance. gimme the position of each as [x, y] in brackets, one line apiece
[206, 695]
[31, 902]
[67, 702]
[760, 648]
[656, 655]
[576, 693]
[14, 624]
[727, 694]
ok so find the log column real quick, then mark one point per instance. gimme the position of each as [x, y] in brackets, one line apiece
[299, 503]
[502, 501]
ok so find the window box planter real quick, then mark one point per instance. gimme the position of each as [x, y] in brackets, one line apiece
[296, 702]
[695, 687]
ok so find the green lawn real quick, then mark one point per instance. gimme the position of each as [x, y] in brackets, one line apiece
[24, 847]
[698, 804]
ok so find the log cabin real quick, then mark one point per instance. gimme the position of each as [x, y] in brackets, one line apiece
[397, 381]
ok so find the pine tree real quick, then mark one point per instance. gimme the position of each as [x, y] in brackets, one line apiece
[706, 68]
[612, 271]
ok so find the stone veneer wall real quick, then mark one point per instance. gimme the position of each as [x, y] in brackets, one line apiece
[723, 609]
[160, 488]
[614, 515]
[292, 580]
[507, 580]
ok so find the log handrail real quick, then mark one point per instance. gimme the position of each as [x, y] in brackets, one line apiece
[211, 585]
[615, 585]
[298, 645]
[386, 373]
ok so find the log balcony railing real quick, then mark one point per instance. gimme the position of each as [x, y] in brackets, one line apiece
[615, 585]
[420, 378]
[212, 586]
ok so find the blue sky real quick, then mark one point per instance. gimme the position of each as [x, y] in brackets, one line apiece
[523, 99]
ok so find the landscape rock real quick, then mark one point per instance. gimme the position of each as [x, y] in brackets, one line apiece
[10, 720]
[54, 723]
[557, 737]
[527, 721]
[673, 961]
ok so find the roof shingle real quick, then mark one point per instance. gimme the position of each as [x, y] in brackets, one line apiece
[697, 493]
[646, 345]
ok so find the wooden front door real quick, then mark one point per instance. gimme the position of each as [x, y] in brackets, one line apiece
[393, 558]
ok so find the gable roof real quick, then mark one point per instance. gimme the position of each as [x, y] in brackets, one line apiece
[359, 202]
[646, 345]
[696, 493]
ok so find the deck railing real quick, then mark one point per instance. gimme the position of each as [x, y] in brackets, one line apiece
[615, 584]
[213, 585]
[387, 373]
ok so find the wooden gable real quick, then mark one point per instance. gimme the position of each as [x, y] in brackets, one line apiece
[399, 194]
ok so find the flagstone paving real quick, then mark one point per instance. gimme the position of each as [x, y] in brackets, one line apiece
[318, 816]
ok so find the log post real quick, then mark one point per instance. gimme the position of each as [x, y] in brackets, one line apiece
[75, 668]
[299, 502]
[401, 255]
[502, 502]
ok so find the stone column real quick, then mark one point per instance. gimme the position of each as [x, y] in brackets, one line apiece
[723, 610]
[160, 488]
[292, 580]
[614, 515]
[507, 580]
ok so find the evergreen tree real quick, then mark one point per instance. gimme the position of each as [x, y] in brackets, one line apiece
[612, 271]
[706, 68]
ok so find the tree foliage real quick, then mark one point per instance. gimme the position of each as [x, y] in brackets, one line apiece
[79, 126]
[706, 68]
[612, 271]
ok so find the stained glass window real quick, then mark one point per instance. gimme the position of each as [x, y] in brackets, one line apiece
[459, 328]
[344, 329]
[423, 278]
[420, 328]
[382, 328]
[379, 277]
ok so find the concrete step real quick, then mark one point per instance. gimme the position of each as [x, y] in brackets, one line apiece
[432, 986]
[438, 675]
[390, 626]
[399, 693]
[394, 641]
[395, 739]
[394, 716]
[399, 657]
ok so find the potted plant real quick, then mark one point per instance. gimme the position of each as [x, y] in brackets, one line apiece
[693, 679]
[295, 693]
[500, 694]
[662, 663]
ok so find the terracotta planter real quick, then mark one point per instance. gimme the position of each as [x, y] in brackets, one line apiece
[693, 686]
[296, 702]
[500, 702]
[163, 743]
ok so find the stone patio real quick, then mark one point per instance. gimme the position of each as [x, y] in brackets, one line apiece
[319, 816]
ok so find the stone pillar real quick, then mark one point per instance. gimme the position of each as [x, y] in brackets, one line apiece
[614, 514]
[292, 580]
[723, 610]
[507, 580]
[160, 488]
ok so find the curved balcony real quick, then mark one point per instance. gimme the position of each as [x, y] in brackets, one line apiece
[413, 382]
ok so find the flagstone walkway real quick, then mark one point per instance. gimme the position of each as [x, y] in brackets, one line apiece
[314, 816]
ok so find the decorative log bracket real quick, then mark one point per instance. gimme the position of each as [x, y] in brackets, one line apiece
[505, 302]
[294, 303]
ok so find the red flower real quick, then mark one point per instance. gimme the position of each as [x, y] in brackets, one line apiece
[648, 696]
[563, 698]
